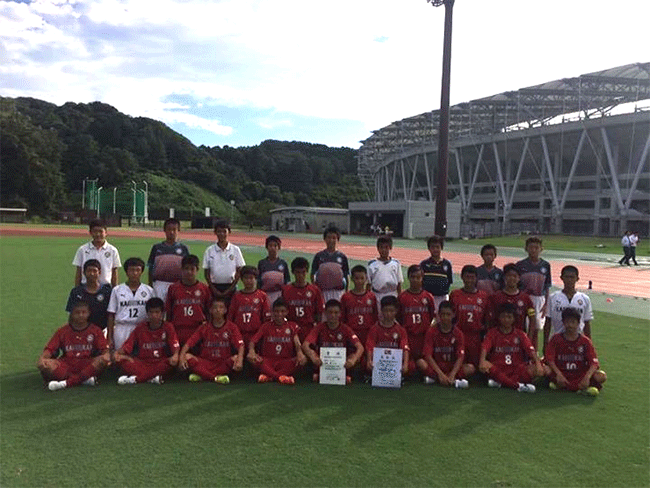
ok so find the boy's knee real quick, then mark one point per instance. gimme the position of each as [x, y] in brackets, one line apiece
[469, 369]
[600, 376]
[422, 365]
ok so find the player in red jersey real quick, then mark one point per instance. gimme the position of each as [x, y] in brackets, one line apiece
[304, 300]
[572, 358]
[359, 305]
[249, 308]
[525, 310]
[83, 348]
[188, 300]
[444, 352]
[506, 352]
[216, 341]
[333, 333]
[417, 311]
[280, 353]
[470, 306]
[156, 347]
[388, 333]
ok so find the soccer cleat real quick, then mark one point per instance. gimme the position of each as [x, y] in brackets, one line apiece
[591, 391]
[428, 380]
[526, 388]
[286, 380]
[263, 379]
[552, 386]
[126, 380]
[223, 379]
[92, 381]
[194, 377]
[461, 384]
[156, 380]
[493, 384]
[57, 385]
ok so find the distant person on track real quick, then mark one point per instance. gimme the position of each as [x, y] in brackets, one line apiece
[625, 242]
[634, 239]
[165, 258]
[107, 255]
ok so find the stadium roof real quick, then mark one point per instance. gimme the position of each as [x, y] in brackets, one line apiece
[588, 96]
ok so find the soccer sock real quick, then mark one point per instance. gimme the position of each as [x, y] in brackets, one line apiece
[502, 378]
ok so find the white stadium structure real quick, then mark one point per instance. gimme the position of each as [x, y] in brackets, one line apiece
[568, 156]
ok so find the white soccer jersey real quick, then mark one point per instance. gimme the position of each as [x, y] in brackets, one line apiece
[107, 255]
[384, 276]
[129, 307]
[223, 263]
[558, 301]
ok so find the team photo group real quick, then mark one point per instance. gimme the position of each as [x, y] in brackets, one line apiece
[328, 324]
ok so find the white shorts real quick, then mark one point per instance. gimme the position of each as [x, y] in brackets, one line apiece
[121, 333]
[538, 302]
[438, 299]
[332, 295]
[273, 296]
[160, 289]
[380, 295]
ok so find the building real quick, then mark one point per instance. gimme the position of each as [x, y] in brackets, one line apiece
[309, 219]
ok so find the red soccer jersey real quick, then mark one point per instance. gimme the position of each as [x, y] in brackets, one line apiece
[416, 311]
[323, 336]
[470, 310]
[152, 344]
[506, 350]
[249, 310]
[520, 300]
[216, 342]
[77, 344]
[276, 341]
[393, 337]
[444, 347]
[572, 358]
[187, 306]
[359, 312]
[304, 303]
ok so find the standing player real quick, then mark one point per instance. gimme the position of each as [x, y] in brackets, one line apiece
[96, 294]
[387, 333]
[329, 269]
[469, 306]
[568, 297]
[188, 300]
[359, 305]
[102, 251]
[572, 358]
[165, 258]
[273, 271]
[279, 346]
[155, 346]
[83, 349]
[222, 262]
[535, 276]
[249, 308]
[489, 277]
[304, 300]
[127, 306]
[385, 273]
[438, 276]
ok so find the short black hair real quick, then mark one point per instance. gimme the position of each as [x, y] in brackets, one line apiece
[359, 268]
[507, 308]
[273, 238]
[96, 223]
[569, 268]
[299, 263]
[389, 301]
[154, 303]
[221, 299]
[192, 260]
[92, 263]
[80, 303]
[468, 269]
[171, 220]
[385, 240]
[332, 229]
[133, 262]
[333, 302]
[436, 240]
[248, 270]
[533, 240]
[511, 267]
[280, 303]
[221, 224]
[487, 247]
[414, 268]
[571, 312]
[445, 304]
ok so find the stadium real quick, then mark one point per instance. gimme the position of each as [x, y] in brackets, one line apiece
[567, 156]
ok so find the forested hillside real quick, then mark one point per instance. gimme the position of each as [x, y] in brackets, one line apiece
[46, 151]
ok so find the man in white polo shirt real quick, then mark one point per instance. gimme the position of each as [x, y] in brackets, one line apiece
[102, 251]
[222, 262]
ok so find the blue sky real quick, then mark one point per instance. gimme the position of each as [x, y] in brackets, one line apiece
[237, 72]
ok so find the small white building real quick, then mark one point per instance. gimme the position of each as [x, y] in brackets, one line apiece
[309, 219]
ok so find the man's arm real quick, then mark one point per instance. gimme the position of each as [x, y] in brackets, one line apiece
[310, 353]
[355, 356]
[547, 332]
[114, 277]
[110, 328]
[77, 277]
[587, 329]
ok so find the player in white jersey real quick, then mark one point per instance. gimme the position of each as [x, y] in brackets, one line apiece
[102, 251]
[385, 273]
[127, 306]
[568, 297]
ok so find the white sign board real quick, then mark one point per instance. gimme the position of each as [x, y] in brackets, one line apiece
[387, 367]
[332, 371]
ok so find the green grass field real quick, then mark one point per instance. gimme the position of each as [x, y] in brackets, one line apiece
[247, 434]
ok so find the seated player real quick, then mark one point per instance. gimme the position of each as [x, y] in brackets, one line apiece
[279, 346]
[165, 259]
[215, 340]
[507, 355]
[188, 300]
[329, 268]
[93, 292]
[333, 333]
[572, 358]
[359, 305]
[387, 333]
[443, 353]
[83, 352]
[155, 346]
[470, 305]
[417, 311]
[273, 271]
[249, 307]
[304, 300]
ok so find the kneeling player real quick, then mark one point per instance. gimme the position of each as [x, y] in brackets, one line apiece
[387, 333]
[444, 352]
[155, 344]
[280, 348]
[505, 353]
[332, 333]
[572, 358]
[84, 352]
[216, 341]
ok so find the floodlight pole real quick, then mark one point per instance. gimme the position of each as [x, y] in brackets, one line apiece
[146, 202]
[99, 199]
[443, 133]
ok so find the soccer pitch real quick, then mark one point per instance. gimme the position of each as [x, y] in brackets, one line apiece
[245, 434]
